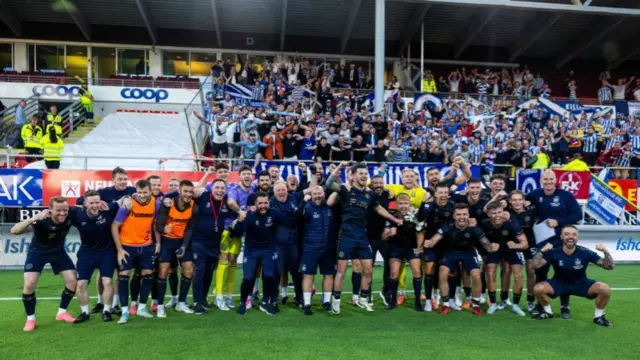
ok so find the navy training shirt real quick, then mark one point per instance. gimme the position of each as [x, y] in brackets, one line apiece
[204, 231]
[435, 216]
[457, 239]
[508, 231]
[95, 232]
[561, 206]
[355, 205]
[110, 194]
[48, 237]
[571, 269]
[260, 230]
[476, 209]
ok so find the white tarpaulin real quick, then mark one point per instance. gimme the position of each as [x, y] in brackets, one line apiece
[128, 135]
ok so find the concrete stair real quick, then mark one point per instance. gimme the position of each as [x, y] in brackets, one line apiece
[81, 131]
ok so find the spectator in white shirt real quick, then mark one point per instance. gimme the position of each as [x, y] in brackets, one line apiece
[620, 89]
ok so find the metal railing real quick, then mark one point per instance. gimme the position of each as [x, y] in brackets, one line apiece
[143, 81]
[197, 139]
[7, 119]
[72, 116]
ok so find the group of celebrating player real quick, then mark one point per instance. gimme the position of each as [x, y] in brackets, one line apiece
[452, 241]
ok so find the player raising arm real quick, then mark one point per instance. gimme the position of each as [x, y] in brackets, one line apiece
[569, 264]
[50, 229]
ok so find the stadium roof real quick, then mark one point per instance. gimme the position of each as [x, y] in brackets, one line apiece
[489, 30]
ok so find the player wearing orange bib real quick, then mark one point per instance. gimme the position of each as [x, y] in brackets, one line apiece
[175, 223]
[131, 231]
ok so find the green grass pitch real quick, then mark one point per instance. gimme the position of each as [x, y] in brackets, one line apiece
[354, 334]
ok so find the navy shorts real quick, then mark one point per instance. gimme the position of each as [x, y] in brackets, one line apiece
[581, 288]
[89, 260]
[399, 252]
[168, 250]
[429, 255]
[468, 259]
[312, 260]
[144, 254]
[254, 258]
[511, 257]
[350, 249]
[530, 252]
[59, 260]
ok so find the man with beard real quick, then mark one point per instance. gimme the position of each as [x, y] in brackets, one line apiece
[570, 274]
[318, 246]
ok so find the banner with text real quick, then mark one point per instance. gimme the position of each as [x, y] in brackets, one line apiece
[393, 173]
[71, 93]
[604, 204]
[628, 189]
[20, 187]
[73, 184]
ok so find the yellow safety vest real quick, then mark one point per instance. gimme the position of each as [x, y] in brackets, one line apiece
[429, 86]
[542, 162]
[57, 127]
[31, 136]
[85, 97]
[52, 152]
[54, 118]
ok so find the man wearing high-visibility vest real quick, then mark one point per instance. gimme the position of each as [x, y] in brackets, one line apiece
[54, 120]
[429, 83]
[53, 147]
[31, 135]
[86, 99]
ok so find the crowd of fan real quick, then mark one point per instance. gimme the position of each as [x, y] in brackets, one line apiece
[318, 113]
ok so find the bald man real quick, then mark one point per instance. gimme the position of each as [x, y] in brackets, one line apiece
[557, 208]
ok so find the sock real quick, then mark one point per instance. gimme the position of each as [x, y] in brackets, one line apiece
[147, 282]
[452, 287]
[162, 290]
[492, 297]
[220, 274]
[336, 295]
[134, 303]
[428, 285]
[364, 294]
[445, 300]
[154, 289]
[307, 298]
[66, 297]
[564, 301]
[547, 309]
[516, 298]
[599, 313]
[123, 289]
[356, 281]
[84, 309]
[245, 289]
[417, 290]
[475, 302]
[402, 279]
[467, 291]
[530, 298]
[173, 283]
[393, 289]
[270, 290]
[231, 277]
[185, 285]
[29, 302]
[61, 311]
[134, 287]
[125, 309]
[100, 299]
[284, 291]
[256, 286]
[504, 295]
[142, 306]
[107, 308]
[326, 297]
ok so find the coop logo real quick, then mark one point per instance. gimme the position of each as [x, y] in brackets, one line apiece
[57, 91]
[627, 245]
[148, 94]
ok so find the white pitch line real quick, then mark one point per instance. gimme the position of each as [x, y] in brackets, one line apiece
[238, 295]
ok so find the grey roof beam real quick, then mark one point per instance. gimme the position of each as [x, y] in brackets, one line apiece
[216, 22]
[351, 20]
[531, 33]
[413, 25]
[143, 7]
[283, 25]
[478, 23]
[7, 17]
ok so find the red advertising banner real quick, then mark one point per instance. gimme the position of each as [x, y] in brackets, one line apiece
[73, 184]
[576, 182]
[628, 189]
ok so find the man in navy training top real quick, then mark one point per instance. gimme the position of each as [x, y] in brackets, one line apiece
[50, 228]
[570, 274]
[97, 250]
[111, 194]
[355, 199]
[557, 208]
[460, 248]
[259, 228]
[318, 246]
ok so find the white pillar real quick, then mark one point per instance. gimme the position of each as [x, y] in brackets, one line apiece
[89, 64]
[20, 57]
[155, 63]
[379, 55]
[421, 55]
